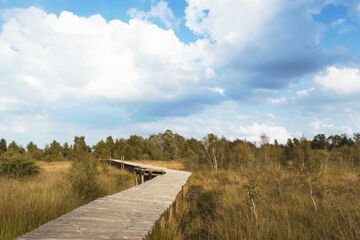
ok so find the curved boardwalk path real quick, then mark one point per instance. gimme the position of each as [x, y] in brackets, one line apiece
[130, 214]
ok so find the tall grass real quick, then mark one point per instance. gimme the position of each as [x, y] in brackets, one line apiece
[218, 207]
[28, 203]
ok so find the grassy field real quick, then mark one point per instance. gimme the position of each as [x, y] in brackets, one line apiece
[218, 206]
[28, 203]
[167, 164]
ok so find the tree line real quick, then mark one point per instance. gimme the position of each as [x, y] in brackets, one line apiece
[209, 152]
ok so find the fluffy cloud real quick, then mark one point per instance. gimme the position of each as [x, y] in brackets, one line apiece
[254, 131]
[159, 11]
[262, 43]
[340, 80]
[59, 57]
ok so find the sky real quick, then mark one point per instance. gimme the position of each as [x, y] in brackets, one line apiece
[236, 68]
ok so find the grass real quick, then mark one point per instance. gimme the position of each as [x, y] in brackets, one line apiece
[159, 163]
[28, 203]
[218, 207]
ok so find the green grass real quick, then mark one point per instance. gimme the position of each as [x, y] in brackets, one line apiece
[27, 203]
[218, 207]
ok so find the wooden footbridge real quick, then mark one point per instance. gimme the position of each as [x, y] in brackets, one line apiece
[130, 214]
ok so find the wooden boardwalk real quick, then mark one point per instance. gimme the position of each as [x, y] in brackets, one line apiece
[130, 214]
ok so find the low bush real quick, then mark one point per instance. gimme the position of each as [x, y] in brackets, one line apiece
[83, 178]
[14, 164]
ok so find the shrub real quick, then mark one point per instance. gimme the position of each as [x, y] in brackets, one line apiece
[83, 178]
[14, 164]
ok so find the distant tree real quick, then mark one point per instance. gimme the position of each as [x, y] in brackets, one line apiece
[319, 142]
[110, 145]
[276, 152]
[304, 156]
[243, 154]
[264, 141]
[223, 152]
[136, 144]
[34, 152]
[337, 141]
[67, 151]
[80, 146]
[210, 143]
[54, 152]
[3, 146]
[102, 150]
[13, 147]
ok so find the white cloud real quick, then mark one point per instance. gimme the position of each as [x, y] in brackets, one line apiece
[256, 33]
[338, 22]
[159, 11]
[278, 101]
[253, 132]
[9, 103]
[318, 125]
[303, 93]
[340, 80]
[218, 90]
[230, 21]
[56, 57]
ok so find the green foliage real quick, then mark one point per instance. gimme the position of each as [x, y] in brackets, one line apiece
[102, 150]
[319, 142]
[253, 189]
[54, 152]
[13, 147]
[80, 146]
[14, 164]
[34, 152]
[3, 146]
[304, 156]
[243, 154]
[84, 176]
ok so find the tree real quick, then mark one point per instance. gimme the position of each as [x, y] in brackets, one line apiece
[264, 140]
[210, 143]
[67, 151]
[304, 156]
[253, 191]
[3, 146]
[110, 146]
[80, 146]
[15, 164]
[102, 150]
[319, 142]
[242, 153]
[13, 147]
[276, 152]
[54, 152]
[84, 176]
[34, 152]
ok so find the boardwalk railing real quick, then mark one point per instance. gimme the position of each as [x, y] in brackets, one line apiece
[130, 214]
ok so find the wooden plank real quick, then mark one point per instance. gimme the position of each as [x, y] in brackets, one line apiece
[130, 214]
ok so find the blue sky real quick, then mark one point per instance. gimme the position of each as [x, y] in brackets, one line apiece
[238, 68]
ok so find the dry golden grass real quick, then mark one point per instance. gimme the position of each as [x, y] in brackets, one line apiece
[167, 164]
[217, 207]
[30, 202]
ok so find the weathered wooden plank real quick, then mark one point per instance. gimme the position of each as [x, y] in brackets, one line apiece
[129, 214]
